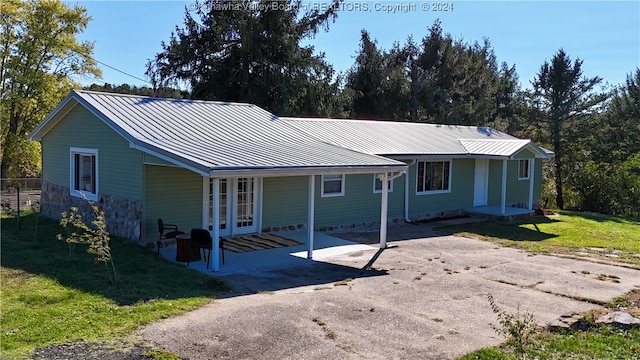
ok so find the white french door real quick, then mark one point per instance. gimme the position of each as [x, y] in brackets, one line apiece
[238, 206]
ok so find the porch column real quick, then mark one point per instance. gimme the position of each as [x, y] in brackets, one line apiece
[503, 198]
[383, 209]
[532, 166]
[311, 214]
[215, 233]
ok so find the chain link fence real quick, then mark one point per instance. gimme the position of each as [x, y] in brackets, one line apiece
[19, 194]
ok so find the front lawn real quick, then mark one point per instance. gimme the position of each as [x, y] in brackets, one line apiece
[567, 232]
[51, 297]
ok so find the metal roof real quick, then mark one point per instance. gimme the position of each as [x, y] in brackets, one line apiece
[401, 138]
[209, 137]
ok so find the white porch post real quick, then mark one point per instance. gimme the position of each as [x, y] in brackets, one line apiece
[503, 198]
[215, 234]
[383, 210]
[532, 163]
[311, 214]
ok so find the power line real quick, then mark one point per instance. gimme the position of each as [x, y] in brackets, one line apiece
[120, 71]
[90, 57]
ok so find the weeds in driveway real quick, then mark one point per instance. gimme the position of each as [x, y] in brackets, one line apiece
[517, 327]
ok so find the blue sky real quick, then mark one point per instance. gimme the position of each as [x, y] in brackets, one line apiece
[604, 34]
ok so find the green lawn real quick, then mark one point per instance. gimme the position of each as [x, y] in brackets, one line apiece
[50, 297]
[566, 232]
[605, 343]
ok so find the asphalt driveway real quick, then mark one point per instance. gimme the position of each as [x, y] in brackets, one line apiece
[424, 299]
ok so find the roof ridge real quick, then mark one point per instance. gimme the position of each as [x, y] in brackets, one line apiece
[373, 121]
[217, 102]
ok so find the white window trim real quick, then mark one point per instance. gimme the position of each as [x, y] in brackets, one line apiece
[376, 191]
[72, 172]
[432, 192]
[528, 169]
[342, 186]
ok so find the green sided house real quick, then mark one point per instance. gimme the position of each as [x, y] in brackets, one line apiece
[237, 169]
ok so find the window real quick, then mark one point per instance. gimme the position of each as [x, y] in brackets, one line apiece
[523, 169]
[433, 176]
[84, 173]
[377, 184]
[332, 185]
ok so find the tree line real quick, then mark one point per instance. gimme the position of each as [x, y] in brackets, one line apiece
[259, 56]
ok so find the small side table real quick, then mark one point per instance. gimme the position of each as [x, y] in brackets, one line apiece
[184, 252]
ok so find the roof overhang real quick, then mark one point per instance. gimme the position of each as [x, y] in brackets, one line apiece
[306, 170]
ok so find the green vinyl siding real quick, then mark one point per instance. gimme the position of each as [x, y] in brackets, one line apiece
[154, 160]
[175, 196]
[359, 203]
[517, 190]
[537, 181]
[119, 166]
[284, 201]
[460, 196]
[524, 154]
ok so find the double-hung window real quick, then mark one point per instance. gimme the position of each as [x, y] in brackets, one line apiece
[433, 177]
[377, 184]
[523, 169]
[332, 185]
[84, 173]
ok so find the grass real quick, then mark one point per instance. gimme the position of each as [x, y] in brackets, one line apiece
[566, 233]
[603, 343]
[49, 297]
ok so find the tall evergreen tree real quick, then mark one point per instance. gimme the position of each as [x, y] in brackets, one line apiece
[563, 98]
[250, 51]
[365, 79]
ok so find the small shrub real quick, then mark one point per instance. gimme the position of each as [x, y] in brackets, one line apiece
[518, 328]
[94, 234]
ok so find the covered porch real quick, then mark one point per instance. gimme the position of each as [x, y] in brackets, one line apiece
[324, 246]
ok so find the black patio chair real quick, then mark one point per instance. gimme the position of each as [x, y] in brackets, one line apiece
[201, 240]
[169, 235]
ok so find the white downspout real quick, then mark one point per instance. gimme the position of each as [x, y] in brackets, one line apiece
[406, 191]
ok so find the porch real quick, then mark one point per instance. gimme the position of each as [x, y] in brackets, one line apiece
[324, 246]
[496, 212]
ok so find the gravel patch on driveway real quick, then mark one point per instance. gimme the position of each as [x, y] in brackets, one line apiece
[424, 299]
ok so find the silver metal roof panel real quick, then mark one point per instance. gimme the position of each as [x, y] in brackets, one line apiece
[208, 136]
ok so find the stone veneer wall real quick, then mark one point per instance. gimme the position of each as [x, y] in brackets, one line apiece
[123, 216]
[330, 228]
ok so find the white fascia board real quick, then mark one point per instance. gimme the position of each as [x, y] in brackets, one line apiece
[52, 118]
[300, 171]
[539, 154]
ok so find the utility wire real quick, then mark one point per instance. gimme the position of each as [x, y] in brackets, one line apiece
[120, 71]
[90, 57]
